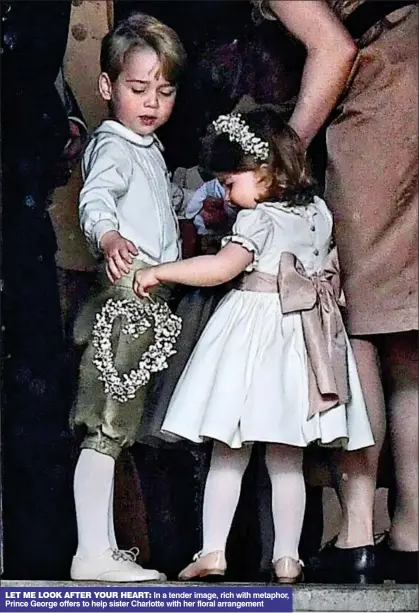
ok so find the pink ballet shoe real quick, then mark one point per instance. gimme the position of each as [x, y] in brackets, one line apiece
[212, 565]
[288, 570]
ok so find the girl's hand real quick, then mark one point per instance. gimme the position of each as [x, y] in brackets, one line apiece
[118, 252]
[144, 280]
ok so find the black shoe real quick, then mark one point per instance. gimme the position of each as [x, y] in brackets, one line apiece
[335, 565]
[398, 566]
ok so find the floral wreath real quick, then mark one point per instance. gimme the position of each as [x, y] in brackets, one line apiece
[139, 317]
[237, 130]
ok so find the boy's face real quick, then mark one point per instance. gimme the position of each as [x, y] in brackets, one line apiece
[141, 98]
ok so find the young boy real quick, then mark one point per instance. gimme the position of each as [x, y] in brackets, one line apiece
[127, 216]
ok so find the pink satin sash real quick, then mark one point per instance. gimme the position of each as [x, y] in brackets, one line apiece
[317, 298]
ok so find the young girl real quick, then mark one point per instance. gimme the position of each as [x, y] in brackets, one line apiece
[268, 367]
[127, 215]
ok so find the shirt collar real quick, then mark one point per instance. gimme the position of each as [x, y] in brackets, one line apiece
[110, 125]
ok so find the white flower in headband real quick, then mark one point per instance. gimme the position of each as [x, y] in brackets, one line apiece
[238, 131]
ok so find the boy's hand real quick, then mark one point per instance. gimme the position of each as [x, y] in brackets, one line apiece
[118, 252]
[144, 280]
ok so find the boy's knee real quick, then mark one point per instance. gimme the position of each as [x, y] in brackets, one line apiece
[102, 443]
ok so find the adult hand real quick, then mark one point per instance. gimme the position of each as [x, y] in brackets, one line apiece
[71, 154]
[74, 147]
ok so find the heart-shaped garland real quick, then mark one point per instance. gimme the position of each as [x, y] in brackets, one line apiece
[139, 316]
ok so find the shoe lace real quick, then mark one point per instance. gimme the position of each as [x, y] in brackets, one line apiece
[196, 556]
[125, 555]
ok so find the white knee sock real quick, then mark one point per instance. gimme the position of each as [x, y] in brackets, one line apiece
[93, 479]
[285, 467]
[222, 492]
[111, 523]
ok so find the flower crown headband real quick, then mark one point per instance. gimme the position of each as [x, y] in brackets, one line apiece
[238, 131]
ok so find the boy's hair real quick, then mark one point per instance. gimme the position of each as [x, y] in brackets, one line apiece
[288, 170]
[141, 31]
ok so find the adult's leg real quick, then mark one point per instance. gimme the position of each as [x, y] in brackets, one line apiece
[351, 559]
[357, 474]
[400, 368]
[397, 555]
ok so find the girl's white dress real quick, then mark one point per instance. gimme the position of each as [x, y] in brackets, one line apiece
[247, 379]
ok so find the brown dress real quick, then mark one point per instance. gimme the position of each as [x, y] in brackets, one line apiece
[372, 176]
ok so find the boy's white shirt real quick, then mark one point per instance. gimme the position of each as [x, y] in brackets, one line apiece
[127, 188]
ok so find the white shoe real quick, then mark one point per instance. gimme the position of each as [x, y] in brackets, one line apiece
[116, 565]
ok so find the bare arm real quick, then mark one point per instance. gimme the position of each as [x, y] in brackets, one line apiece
[202, 271]
[331, 53]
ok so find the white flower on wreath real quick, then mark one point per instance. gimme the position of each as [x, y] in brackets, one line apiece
[139, 317]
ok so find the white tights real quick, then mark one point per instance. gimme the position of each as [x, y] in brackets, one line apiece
[222, 492]
[93, 495]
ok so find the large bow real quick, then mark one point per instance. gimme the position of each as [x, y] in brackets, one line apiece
[318, 298]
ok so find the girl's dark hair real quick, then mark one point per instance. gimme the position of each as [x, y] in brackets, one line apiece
[287, 167]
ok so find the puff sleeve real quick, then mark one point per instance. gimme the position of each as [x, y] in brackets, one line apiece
[252, 230]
